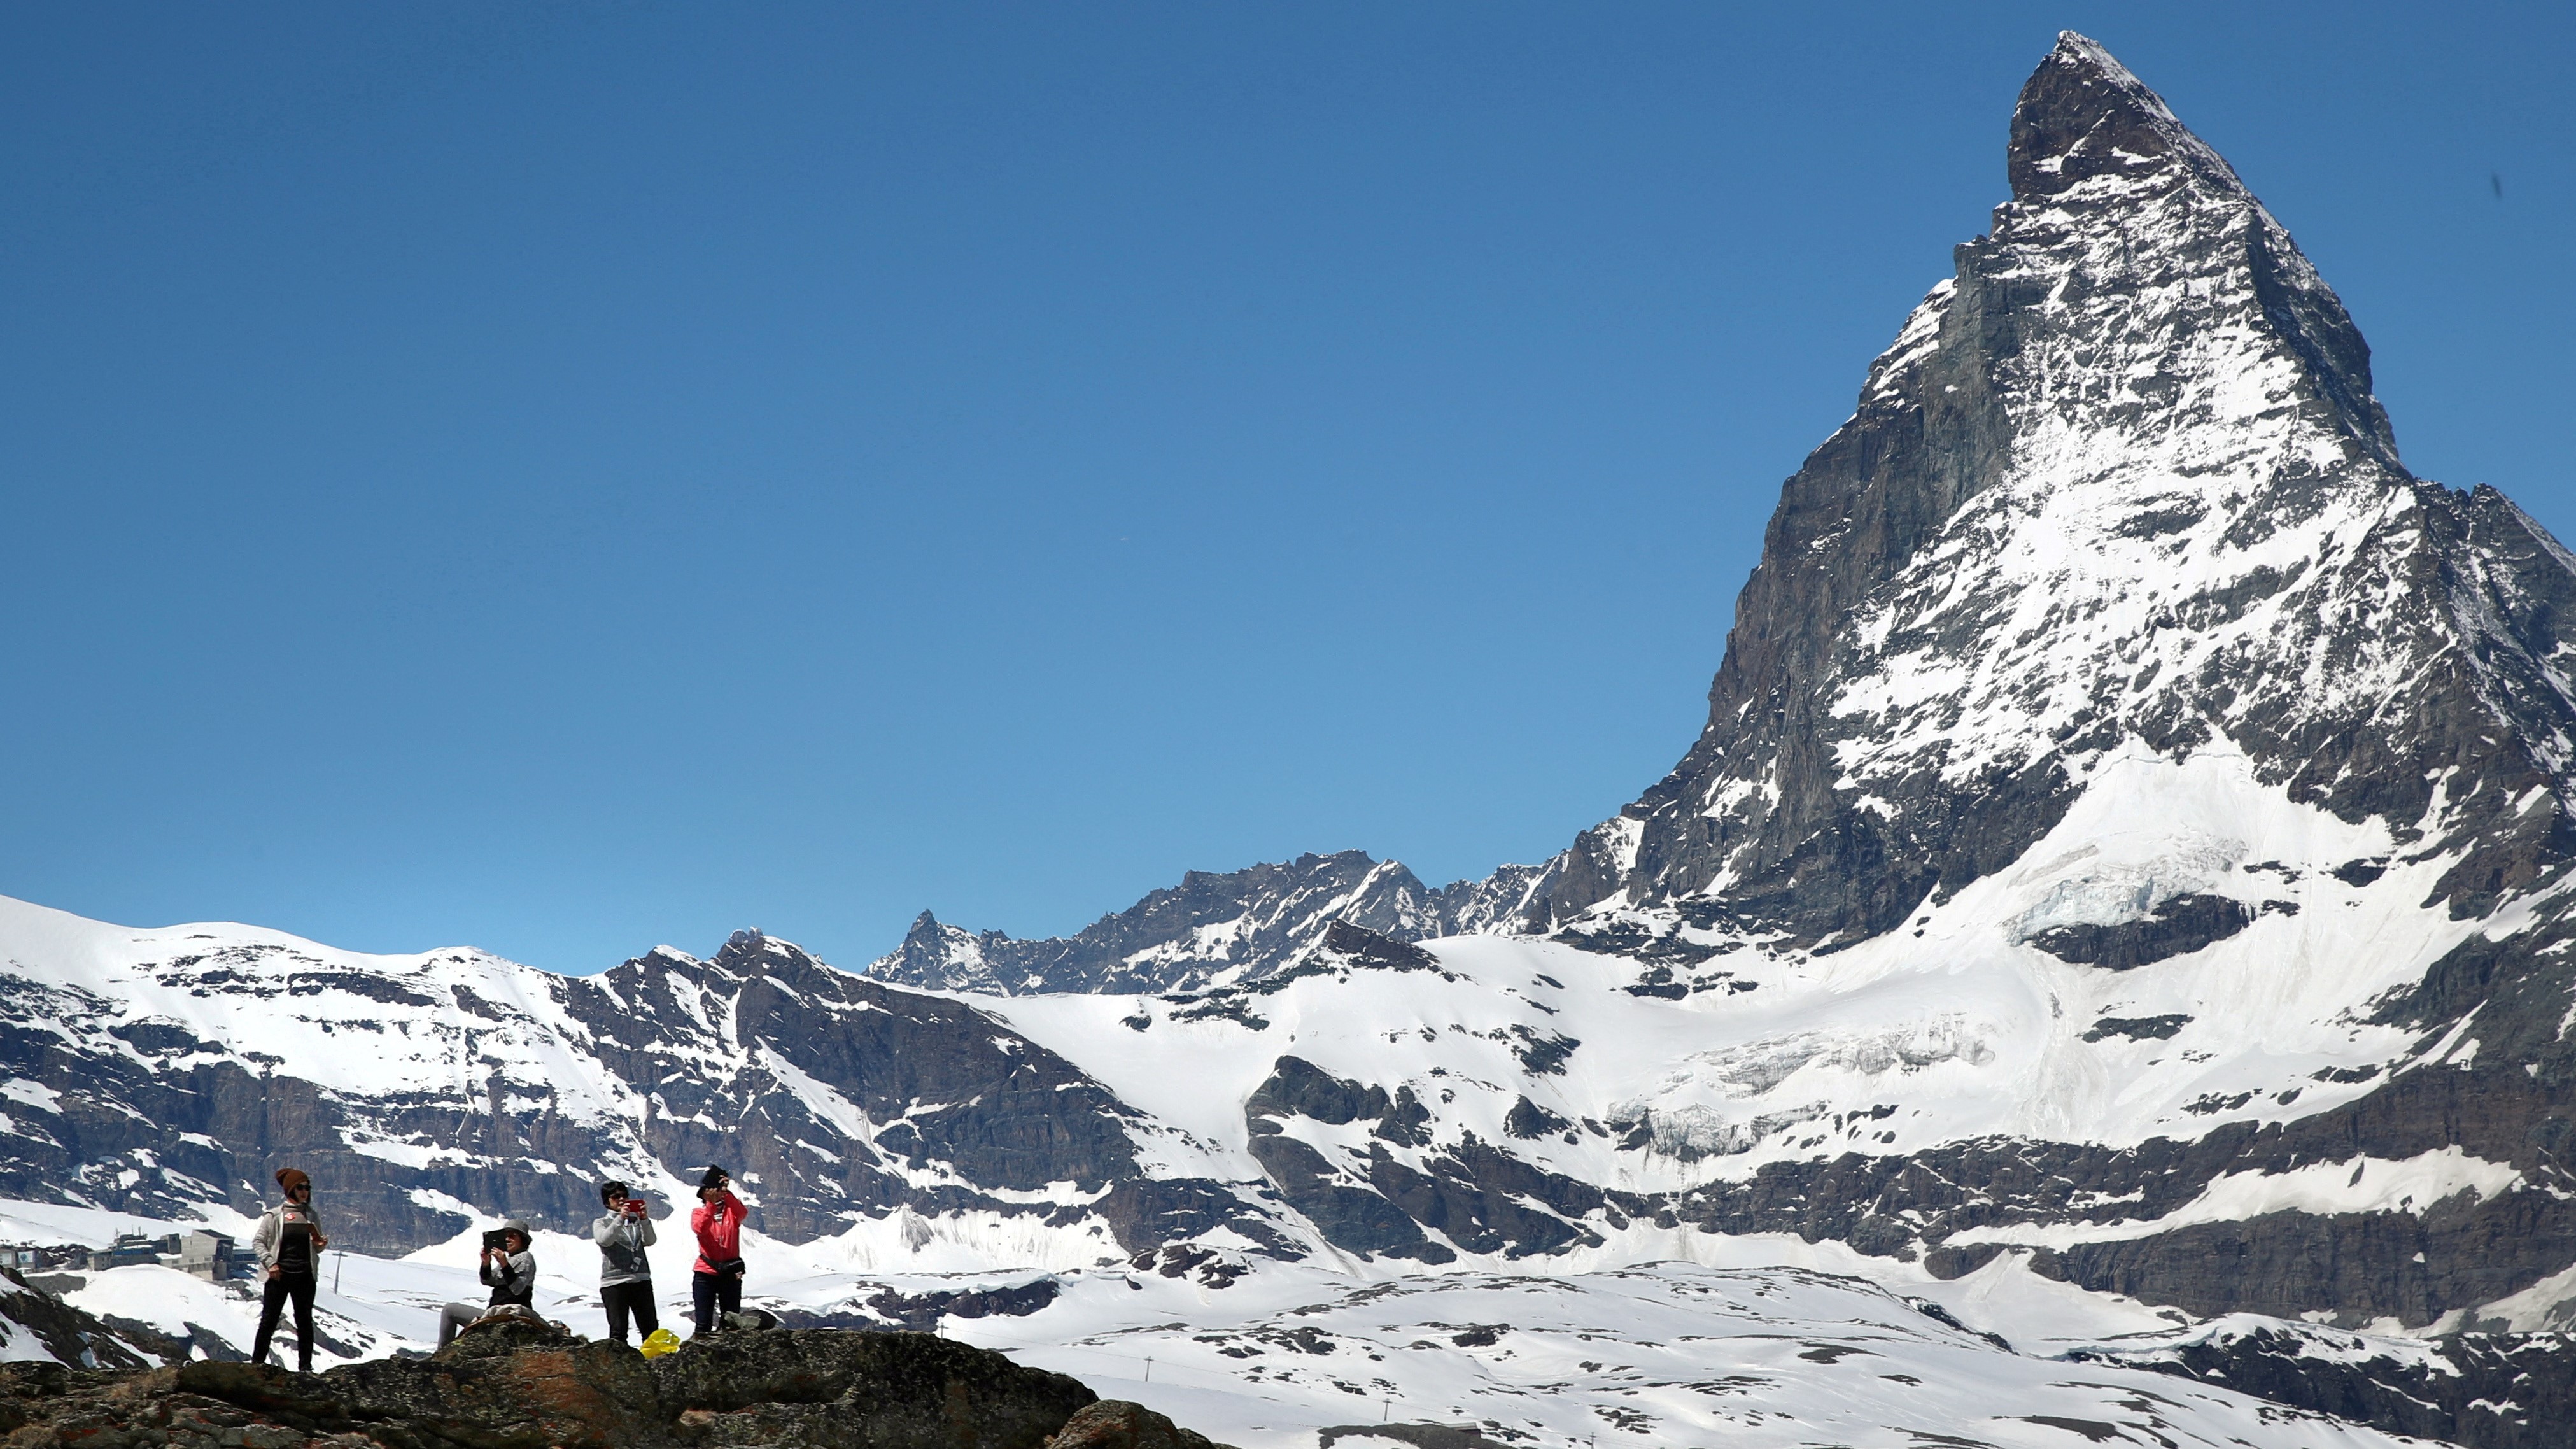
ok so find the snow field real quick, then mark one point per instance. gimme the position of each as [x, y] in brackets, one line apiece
[1670, 1353]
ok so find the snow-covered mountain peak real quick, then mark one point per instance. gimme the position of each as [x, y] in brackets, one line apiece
[2119, 482]
[2114, 198]
[751, 952]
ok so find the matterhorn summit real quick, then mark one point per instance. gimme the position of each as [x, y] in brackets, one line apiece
[2119, 492]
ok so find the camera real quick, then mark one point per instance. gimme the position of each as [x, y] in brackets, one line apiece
[633, 1207]
[496, 1238]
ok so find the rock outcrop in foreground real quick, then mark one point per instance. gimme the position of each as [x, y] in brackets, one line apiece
[512, 1387]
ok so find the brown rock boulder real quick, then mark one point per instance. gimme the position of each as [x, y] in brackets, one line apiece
[878, 1390]
[1120, 1424]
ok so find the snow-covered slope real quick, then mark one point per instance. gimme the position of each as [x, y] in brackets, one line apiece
[1667, 1355]
[1299, 1355]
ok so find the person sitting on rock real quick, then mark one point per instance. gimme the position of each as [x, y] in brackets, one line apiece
[717, 1220]
[625, 1275]
[511, 1272]
[289, 1243]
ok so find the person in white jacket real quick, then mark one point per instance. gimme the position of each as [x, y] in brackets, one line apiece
[625, 1275]
[289, 1243]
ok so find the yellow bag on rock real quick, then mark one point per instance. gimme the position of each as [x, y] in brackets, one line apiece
[659, 1342]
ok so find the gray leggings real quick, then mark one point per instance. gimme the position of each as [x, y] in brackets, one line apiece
[453, 1319]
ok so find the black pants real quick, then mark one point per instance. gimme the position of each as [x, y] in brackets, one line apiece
[272, 1302]
[708, 1288]
[621, 1299]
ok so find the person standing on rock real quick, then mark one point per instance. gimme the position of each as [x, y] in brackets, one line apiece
[717, 1220]
[625, 1276]
[289, 1243]
[511, 1272]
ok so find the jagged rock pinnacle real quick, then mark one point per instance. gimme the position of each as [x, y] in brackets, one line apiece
[2083, 115]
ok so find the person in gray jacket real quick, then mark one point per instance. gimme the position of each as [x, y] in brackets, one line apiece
[510, 1270]
[625, 1276]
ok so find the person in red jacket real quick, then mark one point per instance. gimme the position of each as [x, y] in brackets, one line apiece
[717, 1220]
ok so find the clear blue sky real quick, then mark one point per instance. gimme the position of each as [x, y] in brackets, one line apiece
[563, 478]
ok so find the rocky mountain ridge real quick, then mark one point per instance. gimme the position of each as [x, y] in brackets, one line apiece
[157, 1072]
[1211, 930]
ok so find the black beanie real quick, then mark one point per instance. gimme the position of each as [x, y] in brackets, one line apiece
[715, 1177]
[610, 1190]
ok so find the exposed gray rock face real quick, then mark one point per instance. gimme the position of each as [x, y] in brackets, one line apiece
[1351, 1211]
[1210, 930]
